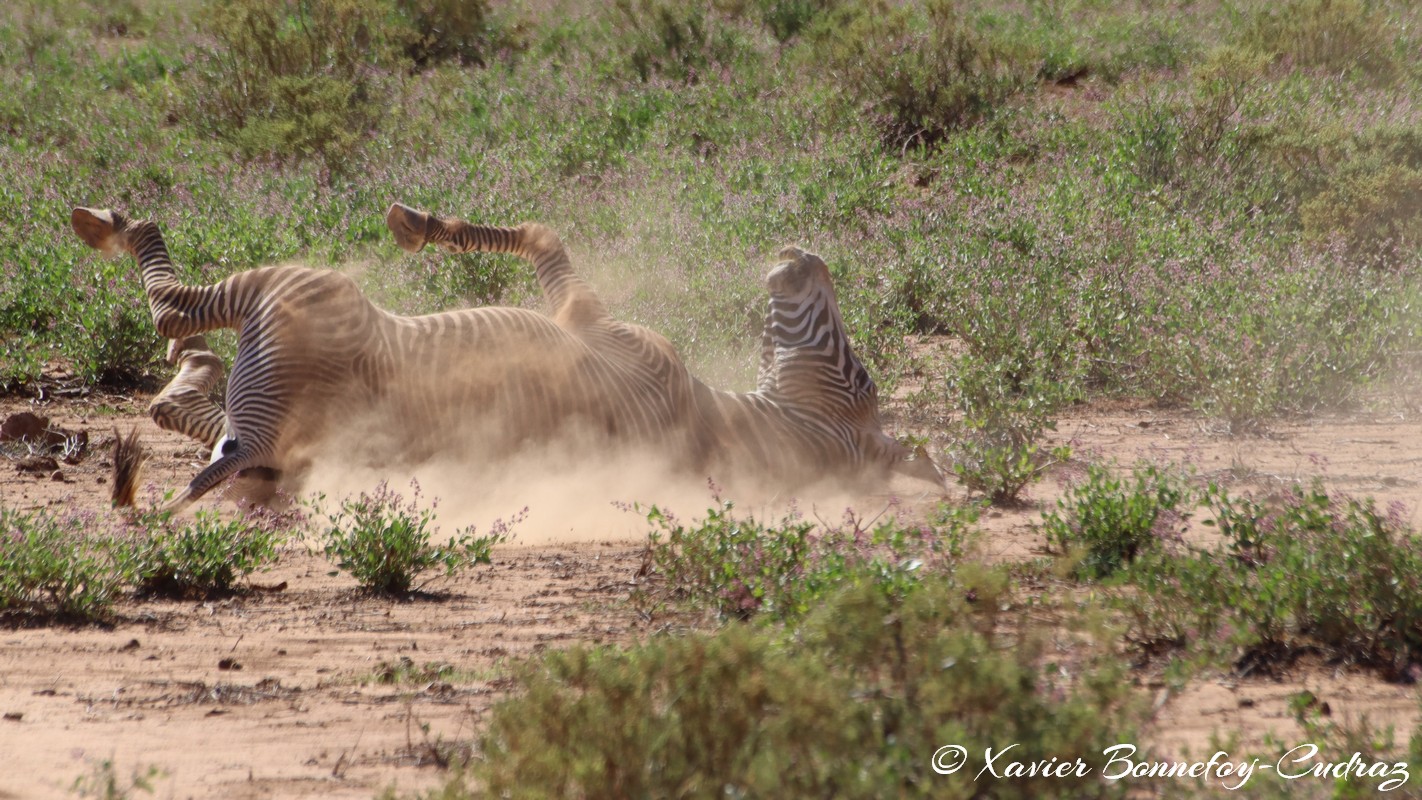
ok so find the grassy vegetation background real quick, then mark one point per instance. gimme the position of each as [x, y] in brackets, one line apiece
[1209, 203]
[1214, 203]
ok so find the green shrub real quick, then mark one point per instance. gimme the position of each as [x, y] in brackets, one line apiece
[741, 568]
[119, 344]
[997, 450]
[1304, 570]
[1313, 337]
[21, 365]
[450, 281]
[52, 566]
[1203, 143]
[291, 79]
[1108, 520]
[1341, 36]
[681, 41]
[602, 138]
[922, 69]
[1375, 214]
[203, 557]
[736, 566]
[854, 704]
[1072, 41]
[386, 542]
[447, 30]
[787, 19]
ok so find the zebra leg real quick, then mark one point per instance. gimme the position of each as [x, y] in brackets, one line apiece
[214, 475]
[178, 311]
[574, 302]
[185, 405]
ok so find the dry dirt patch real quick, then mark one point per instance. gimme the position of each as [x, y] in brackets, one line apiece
[318, 691]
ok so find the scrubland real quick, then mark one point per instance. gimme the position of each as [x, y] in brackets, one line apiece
[1034, 212]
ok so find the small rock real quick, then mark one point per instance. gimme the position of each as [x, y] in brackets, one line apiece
[229, 664]
[43, 464]
[24, 425]
[14, 716]
[35, 430]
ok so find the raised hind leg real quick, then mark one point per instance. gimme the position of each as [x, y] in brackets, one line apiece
[573, 300]
[179, 312]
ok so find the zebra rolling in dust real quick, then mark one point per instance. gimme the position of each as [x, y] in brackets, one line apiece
[815, 412]
[313, 354]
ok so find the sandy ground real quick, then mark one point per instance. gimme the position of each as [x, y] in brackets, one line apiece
[279, 693]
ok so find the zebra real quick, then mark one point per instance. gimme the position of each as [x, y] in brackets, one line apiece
[814, 415]
[315, 357]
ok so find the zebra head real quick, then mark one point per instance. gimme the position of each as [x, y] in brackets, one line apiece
[809, 367]
[803, 310]
[805, 349]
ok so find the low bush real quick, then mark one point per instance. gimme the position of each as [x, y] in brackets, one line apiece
[289, 80]
[681, 42]
[118, 345]
[447, 30]
[1080, 41]
[201, 557]
[1340, 36]
[386, 542]
[1106, 520]
[998, 450]
[854, 703]
[741, 567]
[52, 566]
[1202, 144]
[1304, 570]
[787, 19]
[921, 68]
[1374, 214]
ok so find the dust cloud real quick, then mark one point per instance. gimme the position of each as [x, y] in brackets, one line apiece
[562, 494]
[568, 491]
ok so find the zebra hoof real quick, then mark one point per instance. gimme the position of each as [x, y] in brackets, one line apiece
[96, 226]
[407, 226]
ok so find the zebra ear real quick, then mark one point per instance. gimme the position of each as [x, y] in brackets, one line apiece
[98, 227]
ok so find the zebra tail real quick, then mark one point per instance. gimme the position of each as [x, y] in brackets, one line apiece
[129, 457]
